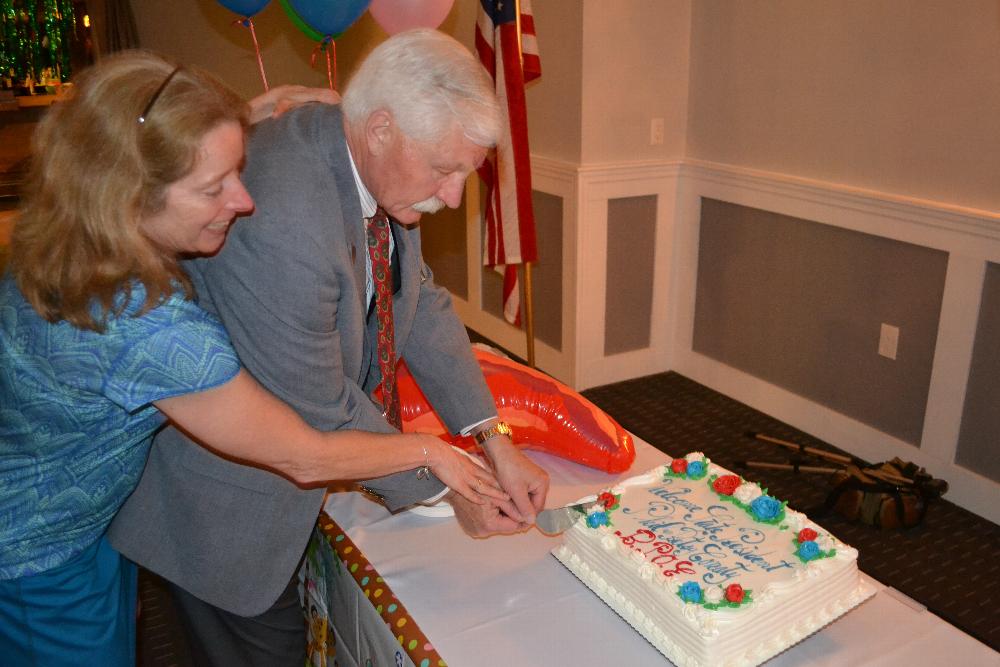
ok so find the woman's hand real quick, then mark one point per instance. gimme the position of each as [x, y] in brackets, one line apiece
[280, 99]
[461, 474]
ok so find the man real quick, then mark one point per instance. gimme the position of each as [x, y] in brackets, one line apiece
[293, 286]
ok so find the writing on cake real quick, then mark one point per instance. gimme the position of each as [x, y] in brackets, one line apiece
[709, 537]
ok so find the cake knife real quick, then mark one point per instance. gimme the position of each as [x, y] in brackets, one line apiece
[555, 521]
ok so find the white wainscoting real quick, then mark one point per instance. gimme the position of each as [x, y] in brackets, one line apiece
[971, 238]
[585, 191]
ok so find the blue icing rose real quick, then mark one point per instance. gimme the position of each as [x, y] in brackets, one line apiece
[595, 519]
[765, 508]
[696, 468]
[808, 550]
[690, 592]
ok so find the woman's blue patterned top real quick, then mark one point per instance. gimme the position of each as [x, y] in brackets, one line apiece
[76, 416]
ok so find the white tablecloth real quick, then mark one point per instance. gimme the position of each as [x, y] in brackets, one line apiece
[507, 601]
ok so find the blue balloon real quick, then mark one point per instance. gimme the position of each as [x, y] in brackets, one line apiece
[244, 7]
[329, 17]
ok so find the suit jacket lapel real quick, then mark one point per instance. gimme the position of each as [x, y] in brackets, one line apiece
[404, 303]
[358, 242]
[354, 348]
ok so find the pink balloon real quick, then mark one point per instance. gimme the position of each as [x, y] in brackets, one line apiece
[399, 15]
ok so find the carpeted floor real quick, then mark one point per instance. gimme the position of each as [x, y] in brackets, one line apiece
[948, 564]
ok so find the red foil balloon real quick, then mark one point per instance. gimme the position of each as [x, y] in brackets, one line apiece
[544, 414]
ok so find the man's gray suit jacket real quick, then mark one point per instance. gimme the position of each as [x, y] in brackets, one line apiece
[289, 285]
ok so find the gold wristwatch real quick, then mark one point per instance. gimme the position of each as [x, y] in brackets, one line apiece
[500, 428]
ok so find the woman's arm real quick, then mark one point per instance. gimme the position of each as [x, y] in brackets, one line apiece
[280, 99]
[243, 420]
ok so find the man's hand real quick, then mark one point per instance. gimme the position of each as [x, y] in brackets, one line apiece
[525, 482]
[484, 520]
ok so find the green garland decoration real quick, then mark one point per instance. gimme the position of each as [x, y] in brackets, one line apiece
[35, 35]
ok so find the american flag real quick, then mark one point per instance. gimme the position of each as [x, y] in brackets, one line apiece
[510, 220]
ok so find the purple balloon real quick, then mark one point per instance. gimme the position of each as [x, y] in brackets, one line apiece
[329, 17]
[244, 7]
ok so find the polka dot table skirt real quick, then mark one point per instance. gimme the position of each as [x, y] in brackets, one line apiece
[334, 578]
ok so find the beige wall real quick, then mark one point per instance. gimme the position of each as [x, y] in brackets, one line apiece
[554, 116]
[899, 96]
[896, 95]
[634, 69]
[199, 32]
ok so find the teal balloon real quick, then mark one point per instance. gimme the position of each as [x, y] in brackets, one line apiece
[327, 17]
[244, 7]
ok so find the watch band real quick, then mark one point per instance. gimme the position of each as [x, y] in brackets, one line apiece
[500, 428]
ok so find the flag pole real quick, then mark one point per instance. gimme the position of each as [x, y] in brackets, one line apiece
[529, 320]
[529, 313]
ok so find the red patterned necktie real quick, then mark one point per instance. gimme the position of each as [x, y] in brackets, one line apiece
[378, 251]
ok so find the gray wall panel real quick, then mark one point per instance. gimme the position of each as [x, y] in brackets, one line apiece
[629, 301]
[800, 304]
[979, 438]
[442, 239]
[546, 272]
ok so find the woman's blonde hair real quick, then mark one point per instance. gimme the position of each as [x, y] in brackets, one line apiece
[96, 172]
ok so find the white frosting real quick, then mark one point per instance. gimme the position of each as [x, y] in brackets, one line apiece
[747, 492]
[693, 535]
[714, 594]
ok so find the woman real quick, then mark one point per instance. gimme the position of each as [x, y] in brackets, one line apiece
[100, 343]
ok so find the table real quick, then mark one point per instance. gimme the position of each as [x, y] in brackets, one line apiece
[506, 601]
[39, 100]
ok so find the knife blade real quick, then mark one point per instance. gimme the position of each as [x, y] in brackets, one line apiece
[557, 520]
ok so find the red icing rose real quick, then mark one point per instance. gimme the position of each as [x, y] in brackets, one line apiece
[807, 535]
[606, 499]
[679, 466]
[726, 484]
[734, 593]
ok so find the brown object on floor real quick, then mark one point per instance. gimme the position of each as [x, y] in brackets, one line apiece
[890, 495]
[881, 509]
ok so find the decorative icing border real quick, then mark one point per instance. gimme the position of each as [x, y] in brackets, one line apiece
[694, 466]
[732, 596]
[599, 514]
[748, 496]
[754, 655]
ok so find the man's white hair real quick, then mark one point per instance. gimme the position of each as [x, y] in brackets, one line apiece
[427, 81]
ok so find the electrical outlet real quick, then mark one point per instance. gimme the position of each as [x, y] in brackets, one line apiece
[888, 341]
[656, 132]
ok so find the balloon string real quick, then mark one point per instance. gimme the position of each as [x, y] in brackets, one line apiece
[260, 61]
[333, 79]
[247, 22]
[326, 46]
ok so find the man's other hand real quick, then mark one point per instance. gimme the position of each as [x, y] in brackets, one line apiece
[525, 482]
[484, 520]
